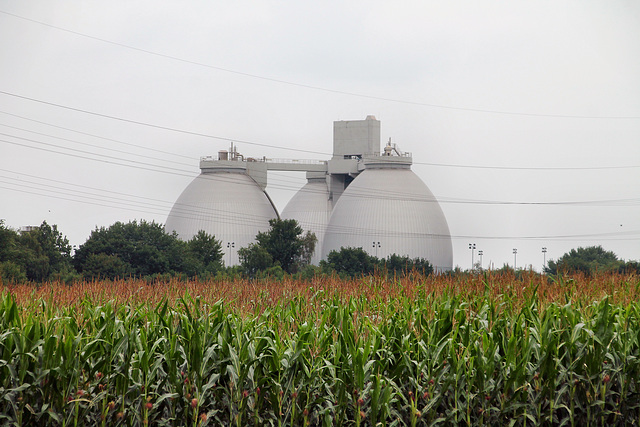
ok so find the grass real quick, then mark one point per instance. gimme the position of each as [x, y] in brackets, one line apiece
[437, 350]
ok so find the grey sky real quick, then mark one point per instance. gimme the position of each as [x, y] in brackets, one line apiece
[523, 117]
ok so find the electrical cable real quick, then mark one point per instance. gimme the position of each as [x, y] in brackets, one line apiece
[363, 231]
[318, 88]
[89, 145]
[367, 193]
[197, 212]
[94, 136]
[527, 168]
[186, 132]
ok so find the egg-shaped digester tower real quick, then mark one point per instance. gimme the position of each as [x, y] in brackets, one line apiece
[311, 207]
[390, 210]
[226, 203]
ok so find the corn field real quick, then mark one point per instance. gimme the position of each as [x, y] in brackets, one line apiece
[437, 350]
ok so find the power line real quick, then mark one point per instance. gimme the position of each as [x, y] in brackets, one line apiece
[83, 152]
[95, 136]
[232, 219]
[526, 168]
[203, 135]
[317, 88]
[178, 209]
[370, 193]
[136, 164]
[542, 168]
[87, 144]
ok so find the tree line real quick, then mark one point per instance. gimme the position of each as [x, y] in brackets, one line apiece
[589, 261]
[142, 249]
[145, 250]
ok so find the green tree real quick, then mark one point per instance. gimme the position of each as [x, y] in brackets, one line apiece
[204, 254]
[587, 260]
[630, 267]
[354, 262]
[396, 264]
[43, 253]
[254, 258]
[309, 241]
[282, 246]
[104, 266]
[285, 244]
[350, 262]
[282, 241]
[143, 249]
[8, 239]
[10, 270]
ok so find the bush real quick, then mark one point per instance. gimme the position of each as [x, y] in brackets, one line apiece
[350, 262]
[353, 262]
[10, 272]
[37, 255]
[145, 249]
[587, 260]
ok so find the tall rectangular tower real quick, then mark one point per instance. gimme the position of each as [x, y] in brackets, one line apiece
[356, 138]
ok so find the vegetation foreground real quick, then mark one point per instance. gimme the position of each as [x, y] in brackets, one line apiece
[449, 350]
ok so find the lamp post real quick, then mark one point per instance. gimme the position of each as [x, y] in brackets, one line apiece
[230, 246]
[515, 252]
[376, 245]
[480, 255]
[544, 258]
[472, 246]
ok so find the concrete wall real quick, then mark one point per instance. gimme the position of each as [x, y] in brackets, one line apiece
[356, 137]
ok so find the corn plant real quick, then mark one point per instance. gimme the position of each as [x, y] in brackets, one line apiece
[485, 351]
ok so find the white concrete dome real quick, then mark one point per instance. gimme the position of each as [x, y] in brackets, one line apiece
[228, 205]
[311, 207]
[389, 211]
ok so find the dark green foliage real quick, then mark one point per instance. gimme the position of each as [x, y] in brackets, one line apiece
[587, 260]
[282, 242]
[352, 262]
[11, 272]
[396, 264]
[303, 259]
[204, 255]
[282, 246]
[630, 267]
[8, 242]
[254, 258]
[37, 255]
[143, 248]
[104, 266]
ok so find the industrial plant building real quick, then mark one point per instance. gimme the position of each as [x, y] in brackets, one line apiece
[362, 197]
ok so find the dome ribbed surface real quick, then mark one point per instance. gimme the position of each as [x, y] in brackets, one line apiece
[229, 206]
[311, 207]
[395, 208]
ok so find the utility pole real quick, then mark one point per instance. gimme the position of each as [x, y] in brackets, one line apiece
[472, 246]
[544, 258]
[515, 252]
[480, 255]
[376, 245]
[230, 246]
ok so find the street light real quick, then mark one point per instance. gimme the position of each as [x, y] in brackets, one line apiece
[376, 245]
[544, 258]
[230, 245]
[480, 255]
[472, 246]
[515, 252]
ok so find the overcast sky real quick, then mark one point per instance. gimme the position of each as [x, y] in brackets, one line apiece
[523, 117]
